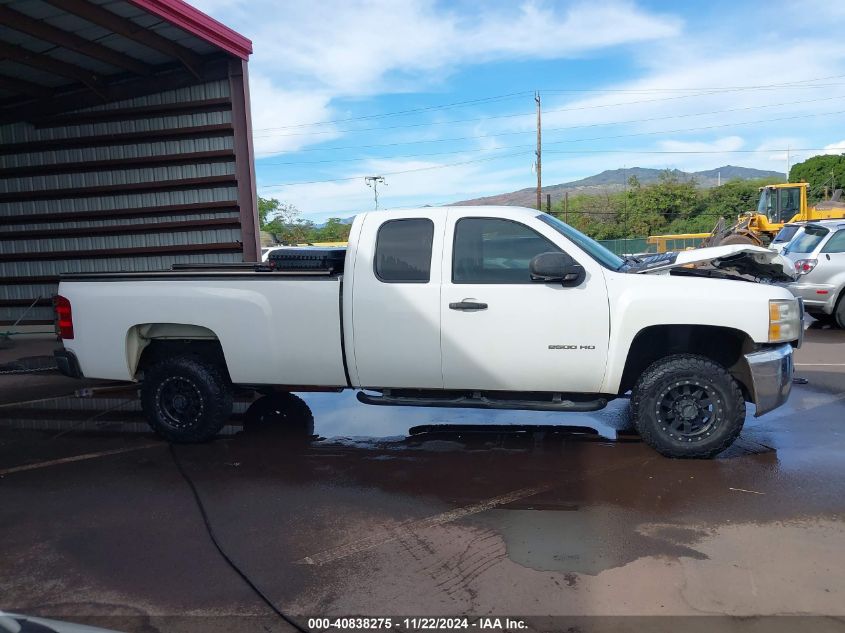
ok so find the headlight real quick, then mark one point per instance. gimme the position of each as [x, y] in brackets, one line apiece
[784, 320]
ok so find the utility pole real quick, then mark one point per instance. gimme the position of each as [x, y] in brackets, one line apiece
[566, 207]
[539, 154]
[787, 163]
[373, 181]
[548, 203]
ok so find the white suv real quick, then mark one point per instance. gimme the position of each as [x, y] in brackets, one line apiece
[818, 252]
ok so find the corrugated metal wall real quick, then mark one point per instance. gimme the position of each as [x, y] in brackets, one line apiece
[133, 185]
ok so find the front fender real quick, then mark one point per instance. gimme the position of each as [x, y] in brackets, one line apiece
[638, 302]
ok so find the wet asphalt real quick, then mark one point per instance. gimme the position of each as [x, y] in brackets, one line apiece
[399, 511]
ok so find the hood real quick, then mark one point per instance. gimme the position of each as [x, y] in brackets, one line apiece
[741, 259]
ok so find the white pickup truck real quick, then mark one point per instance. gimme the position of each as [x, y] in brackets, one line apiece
[488, 307]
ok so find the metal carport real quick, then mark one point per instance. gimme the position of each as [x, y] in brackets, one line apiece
[125, 143]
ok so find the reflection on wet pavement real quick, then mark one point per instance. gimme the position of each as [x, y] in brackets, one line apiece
[427, 511]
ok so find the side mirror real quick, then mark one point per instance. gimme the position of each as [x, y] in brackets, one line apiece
[556, 266]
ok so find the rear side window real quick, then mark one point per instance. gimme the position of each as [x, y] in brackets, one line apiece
[807, 241]
[835, 244]
[403, 251]
[785, 234]
[495, 251]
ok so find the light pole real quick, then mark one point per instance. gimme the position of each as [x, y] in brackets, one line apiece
[374, 181]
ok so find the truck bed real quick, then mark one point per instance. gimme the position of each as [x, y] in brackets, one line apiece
[275, 327]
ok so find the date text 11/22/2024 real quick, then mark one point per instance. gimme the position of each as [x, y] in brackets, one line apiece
[417, 623]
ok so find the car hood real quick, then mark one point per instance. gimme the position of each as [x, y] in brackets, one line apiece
[741, 259]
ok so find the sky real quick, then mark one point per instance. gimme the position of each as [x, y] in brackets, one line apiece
[438, 97]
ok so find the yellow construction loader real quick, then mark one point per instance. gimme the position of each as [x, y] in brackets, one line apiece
[778, 205]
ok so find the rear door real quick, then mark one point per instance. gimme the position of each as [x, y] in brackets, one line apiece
[832, 260]
[396, 300]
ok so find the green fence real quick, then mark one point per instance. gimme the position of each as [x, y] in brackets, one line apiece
[626, 246]
[634, 245]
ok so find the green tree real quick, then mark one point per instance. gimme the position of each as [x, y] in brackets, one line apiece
[649, 209]
[334, 230]
[282, 220]
[820, 172]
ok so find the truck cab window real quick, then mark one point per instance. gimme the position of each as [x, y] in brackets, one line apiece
[495, 251]
[403, 251]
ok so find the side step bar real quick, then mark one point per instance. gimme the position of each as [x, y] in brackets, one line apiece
[481, 402]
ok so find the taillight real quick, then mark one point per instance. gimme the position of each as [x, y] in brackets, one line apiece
[64, 317]
[803, 266]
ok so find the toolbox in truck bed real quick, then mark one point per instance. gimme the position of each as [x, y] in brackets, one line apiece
[308, 258]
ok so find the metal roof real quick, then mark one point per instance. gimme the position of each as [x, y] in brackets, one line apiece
[99, 50]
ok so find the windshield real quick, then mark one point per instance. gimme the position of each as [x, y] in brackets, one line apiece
[785, 234]
[808, 240]
[595, 250]
[766, 201]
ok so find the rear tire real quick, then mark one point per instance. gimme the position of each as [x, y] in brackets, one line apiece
[839, 311]
[687, 406]
[280, 412]
[186, 398]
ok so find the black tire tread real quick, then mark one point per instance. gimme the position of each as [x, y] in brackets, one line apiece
[838, 316]
[298, 409]
[679, 363]
[213, 380]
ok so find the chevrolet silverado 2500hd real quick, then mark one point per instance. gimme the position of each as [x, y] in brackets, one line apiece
[489, 307]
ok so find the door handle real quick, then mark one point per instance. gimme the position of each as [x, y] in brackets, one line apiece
[467, 305]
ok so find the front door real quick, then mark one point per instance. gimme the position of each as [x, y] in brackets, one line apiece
[500, 330]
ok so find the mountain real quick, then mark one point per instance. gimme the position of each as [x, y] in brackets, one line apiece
[616, 179]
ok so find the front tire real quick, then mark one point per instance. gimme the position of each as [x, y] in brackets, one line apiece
[186, 398]
[687, 406]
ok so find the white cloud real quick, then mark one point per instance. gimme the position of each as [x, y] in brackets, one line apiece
[429, 182]
[835, 148]
[273, 107]
[353, 48]
[308, 54]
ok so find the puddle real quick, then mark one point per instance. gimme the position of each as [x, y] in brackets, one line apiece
[584, 540]
[337, 417]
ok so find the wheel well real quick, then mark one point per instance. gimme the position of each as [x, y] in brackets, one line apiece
[723, 345]
[146, 343]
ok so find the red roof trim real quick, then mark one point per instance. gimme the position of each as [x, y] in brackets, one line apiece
[197, 23]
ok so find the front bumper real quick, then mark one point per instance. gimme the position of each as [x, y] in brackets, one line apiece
[771, 377]
[67, 363]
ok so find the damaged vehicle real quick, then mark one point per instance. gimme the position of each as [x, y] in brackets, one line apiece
[485, 307]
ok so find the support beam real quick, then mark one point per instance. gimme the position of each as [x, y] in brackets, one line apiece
[75, 98]
[127, 28]
[19, 86]
[154, 111]
[154, 186]
[44, 62]
[108, 140]
[244, 159]
[36, 28]
[105, 253]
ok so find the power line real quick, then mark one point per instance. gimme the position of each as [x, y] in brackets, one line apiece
[481, 136]
[556, 151]
[445, 106]
[700, 151]
[392, 173]
[567, 90]
[511, 155]
[701, 128]
[570, 127]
